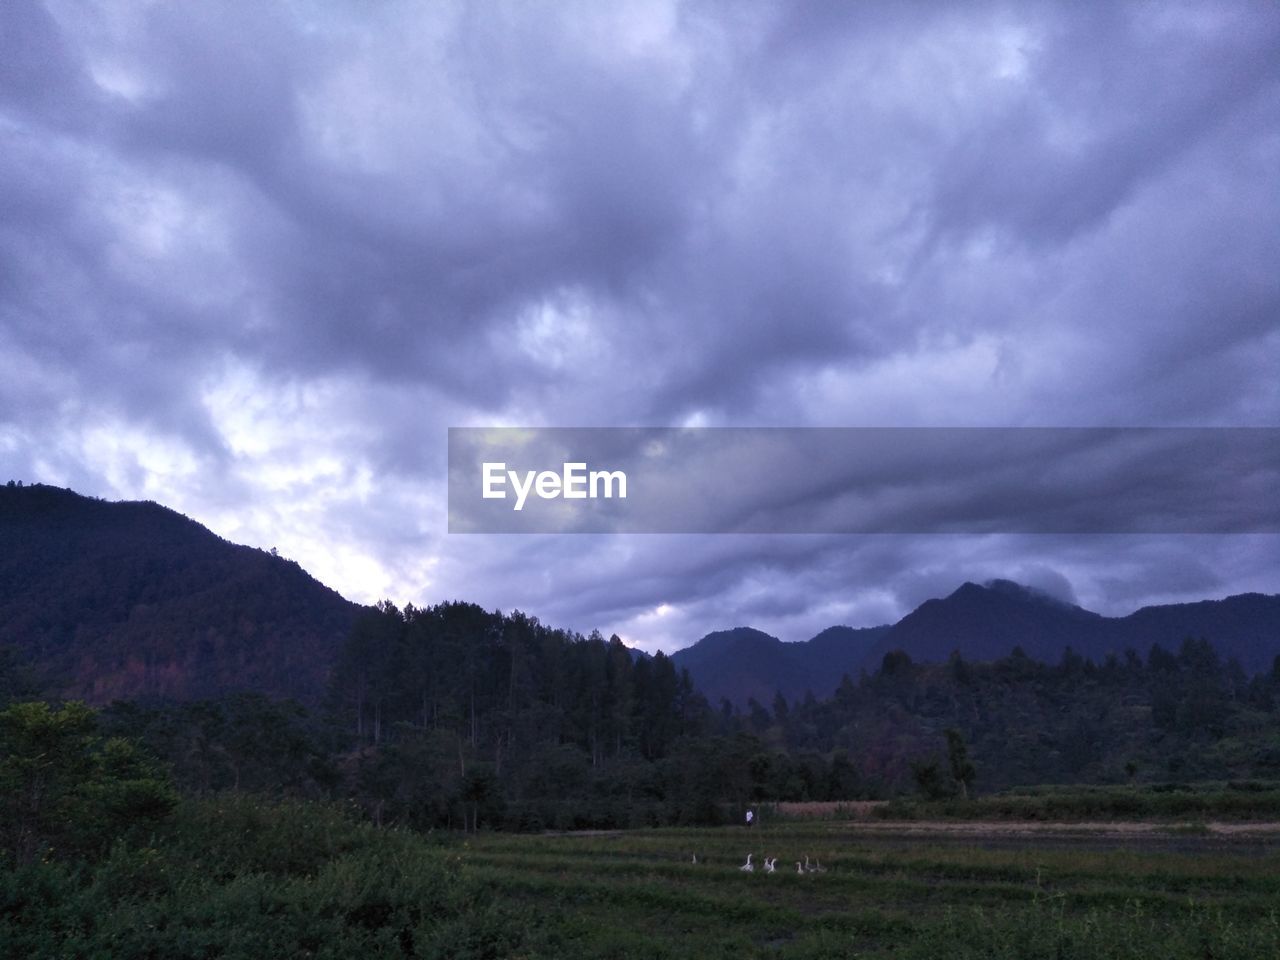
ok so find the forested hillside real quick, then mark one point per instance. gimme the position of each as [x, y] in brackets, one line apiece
[1181, 714]
[452, 715]
[132, 600]
[548, 725]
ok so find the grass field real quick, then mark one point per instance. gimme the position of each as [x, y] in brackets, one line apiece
[892, 890]
[242, 878]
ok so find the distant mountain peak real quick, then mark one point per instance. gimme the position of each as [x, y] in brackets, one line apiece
[1001, 585]
[987, 621]
[1011, 589]
[747, 663]
[726, 643]
[738, 635]
[984, 622]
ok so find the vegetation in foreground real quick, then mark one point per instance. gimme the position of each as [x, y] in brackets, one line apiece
[100, 858]
[254, 854]
[240, 877]
[639, 893]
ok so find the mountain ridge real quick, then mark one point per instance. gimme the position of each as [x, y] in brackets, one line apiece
[128, 599]
[986, 622]
[131, 599]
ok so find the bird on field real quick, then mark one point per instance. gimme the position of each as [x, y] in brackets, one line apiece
[799, 869]
[747, 867]
[807, 868]
[695, 859]
[770, 865]
[818, 867]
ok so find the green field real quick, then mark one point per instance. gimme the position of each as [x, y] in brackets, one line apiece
[247, 878]
[909, 892]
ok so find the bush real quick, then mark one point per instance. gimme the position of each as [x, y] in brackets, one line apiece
[241, 878]
[63, 789]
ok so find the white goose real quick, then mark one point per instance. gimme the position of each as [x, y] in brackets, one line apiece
[770, 865]
[747, 867]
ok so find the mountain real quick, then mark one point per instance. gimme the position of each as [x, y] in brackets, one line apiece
[837, 651]
[983, 622]
[738, 664]
[986, 622]
[1246, 626]
[745, 663]
[133, 600]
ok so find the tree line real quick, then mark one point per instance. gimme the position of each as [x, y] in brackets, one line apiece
[456, 717]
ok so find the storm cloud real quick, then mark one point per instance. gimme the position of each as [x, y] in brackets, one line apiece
[255, 259]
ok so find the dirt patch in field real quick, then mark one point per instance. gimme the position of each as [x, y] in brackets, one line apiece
[854, 809]
[1012, 828]
[582, 833]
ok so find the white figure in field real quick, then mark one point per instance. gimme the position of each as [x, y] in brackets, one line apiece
[807, 868]
[747, 867]
[769, 865]
[799, 868]
[750, 816]
[818, 867]
[695, 859]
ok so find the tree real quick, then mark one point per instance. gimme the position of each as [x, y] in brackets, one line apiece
[896, 663]
[758, 716]
[480, 796]
[64, 787]
[928, 777]
[781, 709]
[843, 780]
[16, 680]
[962, 770]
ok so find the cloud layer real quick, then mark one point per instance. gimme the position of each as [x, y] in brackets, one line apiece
[255, 258]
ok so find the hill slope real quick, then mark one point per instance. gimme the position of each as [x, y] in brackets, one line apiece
[133, 600]
[1246, 626]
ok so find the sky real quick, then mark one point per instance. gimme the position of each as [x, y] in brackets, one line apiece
[256, 259]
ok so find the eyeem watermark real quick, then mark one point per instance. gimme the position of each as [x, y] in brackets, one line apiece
[573, 482]
[865, 480]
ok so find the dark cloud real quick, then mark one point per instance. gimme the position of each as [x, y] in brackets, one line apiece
[39, 76]
[254, 259]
